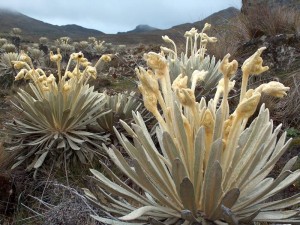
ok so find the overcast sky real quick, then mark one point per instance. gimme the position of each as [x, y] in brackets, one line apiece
[111, 16]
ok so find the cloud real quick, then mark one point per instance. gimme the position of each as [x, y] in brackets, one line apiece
[118, 15]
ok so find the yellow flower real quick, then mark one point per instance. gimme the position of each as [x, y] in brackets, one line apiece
[66, 87]
[77, 56]
[105, 58]
[92, 71]
[42, 78]
[186, 97]
[220, 87]
[248, 105]
[55, 58]
[253, 65]
[24, 57]
[166, 39]
[21, 74]
[197, 76]
[228, 68]
[206, 27]
[150, 100]
[273, 88]
[70, 74]
[50, 79]
[180, 82]
[156, 62]
[28, 75]
[19, 64]
[147, 80]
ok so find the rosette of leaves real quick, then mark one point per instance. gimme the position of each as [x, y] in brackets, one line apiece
[209, 166]
[53, 115]
[194, 59]
[120, 107]
[7, 71]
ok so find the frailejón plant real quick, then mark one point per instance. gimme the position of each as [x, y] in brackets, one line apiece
[54, 112]
[119, 106]
[194, 61]
[210, 166]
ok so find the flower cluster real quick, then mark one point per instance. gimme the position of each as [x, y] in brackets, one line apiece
[80, 75]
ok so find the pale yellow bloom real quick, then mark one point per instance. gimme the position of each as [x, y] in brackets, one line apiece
[42, 78]
[51, 79]
[24, 57]
[167, 39]
[69, 74]
[77, 56]
[105, 58]
[220, 87]
[197, 76]
[228, 68]
[84, 62]
[21, 74]
[273, 88]
[186, 97]
[253, 65]
[147, 79]
[28, 75]
[19, 64]
[66, 87]
[56, 57]
[180, 82]
[248, 105]
[150, 100]
[167, 50]
[157, 62]
[206, 27]
[92, 71]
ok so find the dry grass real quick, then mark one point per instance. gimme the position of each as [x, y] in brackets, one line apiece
[264, 19]
[286, 111]
[257, 21]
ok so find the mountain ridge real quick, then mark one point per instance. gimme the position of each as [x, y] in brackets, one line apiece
[33, 29]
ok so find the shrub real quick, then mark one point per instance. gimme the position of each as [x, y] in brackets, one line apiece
[53, 115]
[209, 167]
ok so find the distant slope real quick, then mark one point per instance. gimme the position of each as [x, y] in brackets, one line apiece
[33, 29]
[142, 28]
[218, 20]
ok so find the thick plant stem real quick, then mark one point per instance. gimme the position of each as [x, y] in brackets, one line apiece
[244, 86]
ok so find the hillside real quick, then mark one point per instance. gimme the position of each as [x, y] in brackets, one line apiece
[33, 29]
[140, 29]
[154, 37]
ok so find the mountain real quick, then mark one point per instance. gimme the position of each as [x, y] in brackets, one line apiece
[140, 29]
[216, 19]
[33, 29]
[219, 20]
